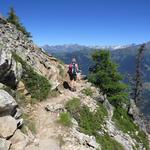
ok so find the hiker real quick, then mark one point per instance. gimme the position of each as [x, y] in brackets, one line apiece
[73, 70]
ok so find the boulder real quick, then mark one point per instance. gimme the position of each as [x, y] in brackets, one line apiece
[55, 108]
[19, 141]
[8, 126]
[7, 69]
[137, 116]
[7, 103]
[4, 144]
[84, 139]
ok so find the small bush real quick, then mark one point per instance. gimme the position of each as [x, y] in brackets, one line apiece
[73, 105]
[89, 122]
[107, 143]
[87, 91]
[65, 119]
[38, 86]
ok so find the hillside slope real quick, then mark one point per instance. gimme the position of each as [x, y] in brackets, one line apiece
[39, 112]
[125, 57]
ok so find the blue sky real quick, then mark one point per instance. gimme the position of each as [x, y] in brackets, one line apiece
[86, 22]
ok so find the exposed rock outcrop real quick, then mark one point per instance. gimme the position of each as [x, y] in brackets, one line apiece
[43, 116]
[4, 144]
[19, 141]
[8, 126]
[7, 103]
[137, 116]
[12, 40]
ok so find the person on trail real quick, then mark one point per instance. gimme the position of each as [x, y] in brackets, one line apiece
[73, 70]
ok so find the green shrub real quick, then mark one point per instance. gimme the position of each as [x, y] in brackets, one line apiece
[73, 105]
[107, 143]
[38, 86]
[86, 120]
[65, 119]
[89, 122]
[87, 91]
[125, 123]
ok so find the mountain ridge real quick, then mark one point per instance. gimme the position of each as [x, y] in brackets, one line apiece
[77, 47]
[125, 57]
[38, 112]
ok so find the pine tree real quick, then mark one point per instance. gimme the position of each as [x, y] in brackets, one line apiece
[14, 19]
[104, 74]
[137, 91]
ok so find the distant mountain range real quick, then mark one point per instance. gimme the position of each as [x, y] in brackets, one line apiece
[125, 56]
[75, 47]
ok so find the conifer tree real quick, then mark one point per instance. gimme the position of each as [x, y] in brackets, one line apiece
[104, 74]
[14, 19]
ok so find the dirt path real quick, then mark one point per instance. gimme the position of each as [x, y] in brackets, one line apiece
[49, 132]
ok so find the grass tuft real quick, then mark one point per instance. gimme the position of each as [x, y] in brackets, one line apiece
[107, 143]
[87, 92]
[65, 119]
[89, 122]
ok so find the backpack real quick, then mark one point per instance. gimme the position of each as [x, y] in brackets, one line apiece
[73, 69]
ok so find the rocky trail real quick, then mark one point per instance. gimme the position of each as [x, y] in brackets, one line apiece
[27, 75]
[49, 132]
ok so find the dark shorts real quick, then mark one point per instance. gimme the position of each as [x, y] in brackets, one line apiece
[73, 77]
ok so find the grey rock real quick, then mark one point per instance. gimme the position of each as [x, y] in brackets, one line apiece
[137, 116]
[8, 126]
[84, 139]
[4, 144]
[7, 103]
[19, 141]
[55, 108]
